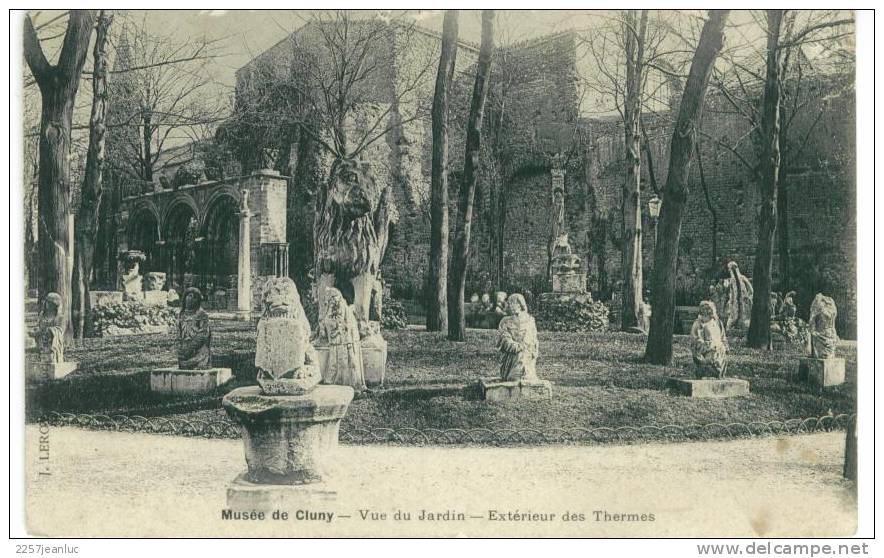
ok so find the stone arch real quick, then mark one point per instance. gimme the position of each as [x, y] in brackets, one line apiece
[221, 194]
[181, 233]
[143, 233]
[220, 231]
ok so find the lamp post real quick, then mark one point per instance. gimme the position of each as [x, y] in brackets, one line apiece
[654, 205]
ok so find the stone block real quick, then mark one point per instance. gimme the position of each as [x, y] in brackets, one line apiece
[173, 380]
[709, 387]
[244, 495]
[569, 282]
[822, 372]
[156, 298]
[40, 371]
[499, 390]
[105, 298]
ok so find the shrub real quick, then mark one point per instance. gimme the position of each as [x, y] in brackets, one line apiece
[131, 315]
[188, 173]
[576, 313]
[394, 316]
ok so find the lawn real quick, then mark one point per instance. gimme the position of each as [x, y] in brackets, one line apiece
[599, 381]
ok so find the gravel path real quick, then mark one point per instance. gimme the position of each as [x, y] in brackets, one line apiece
[118, 484]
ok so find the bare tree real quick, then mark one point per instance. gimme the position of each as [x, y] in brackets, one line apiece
[87, 219]
[58, 85]
[159, 96]
[629, 57]
[773, 132]
[460, 257]
[437, 297]
[659, 344]
[325, 92]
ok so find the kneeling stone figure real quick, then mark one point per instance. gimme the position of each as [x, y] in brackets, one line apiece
[709, 343]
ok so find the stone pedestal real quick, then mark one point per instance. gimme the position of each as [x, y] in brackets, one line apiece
[244, 495]
[709, 387]
[569, 282]
[290, 442]
[822, 372]
[374, 360]
[499, 390]
[39, 370]
[173, 380]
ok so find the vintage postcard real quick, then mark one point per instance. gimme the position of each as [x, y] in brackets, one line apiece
[440, 273]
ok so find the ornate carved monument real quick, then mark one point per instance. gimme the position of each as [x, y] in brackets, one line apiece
[289, 422]
[821, 367]
[194, 373]
[49, 362]
[518, 346]
[709, 349]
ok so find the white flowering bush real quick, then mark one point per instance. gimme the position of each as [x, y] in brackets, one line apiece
[131, 316]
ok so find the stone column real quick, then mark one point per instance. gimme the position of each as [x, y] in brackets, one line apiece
[244, 269]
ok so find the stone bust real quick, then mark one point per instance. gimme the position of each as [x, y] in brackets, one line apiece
[517, 342]
[50, 329]
[194, 333]
[823, 338]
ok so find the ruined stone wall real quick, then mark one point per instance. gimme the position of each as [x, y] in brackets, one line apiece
[821, 190]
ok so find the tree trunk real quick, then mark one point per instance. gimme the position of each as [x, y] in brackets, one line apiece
[783, 237]
[147, 151]
[461, 256]
[711, 207]
[768, 180]
[690, 112]
[87, 220]
[58, 88]
[437, 303]
[631, 260]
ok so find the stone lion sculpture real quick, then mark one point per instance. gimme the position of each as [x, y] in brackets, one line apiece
[286, 360]
[350, 231]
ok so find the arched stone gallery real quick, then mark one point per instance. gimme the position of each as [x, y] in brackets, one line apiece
[207, 235]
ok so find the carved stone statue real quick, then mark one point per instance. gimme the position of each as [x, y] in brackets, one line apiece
[337, 341]
[286, 360]
[517, 342]
[351, 226]
[823, 338]
[734, 296]
[50, 330]
[49, 363]
[129, 274]
[644, 317]
[500, 303]
[709, 343]
[788, 309]
[194, 333]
